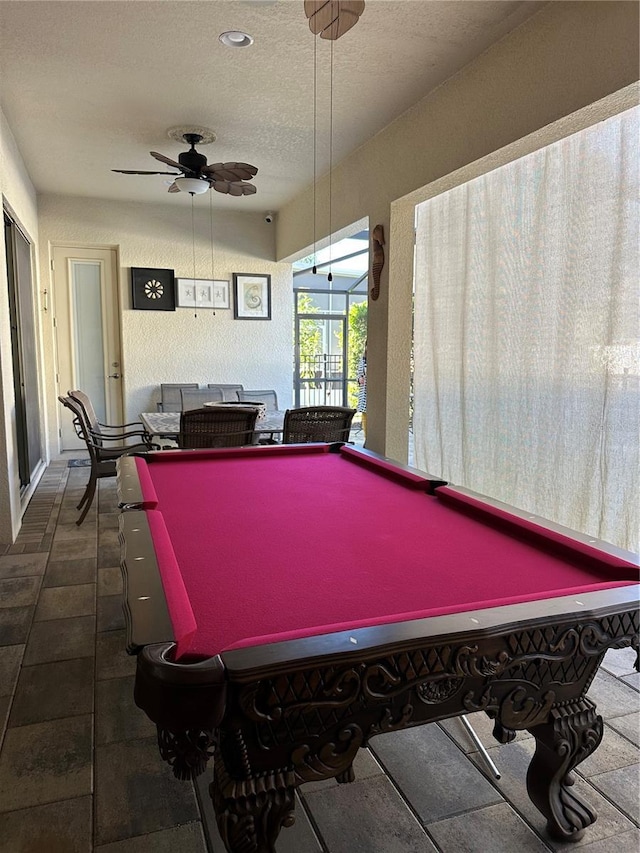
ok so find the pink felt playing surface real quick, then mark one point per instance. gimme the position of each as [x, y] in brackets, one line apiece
[278, 544]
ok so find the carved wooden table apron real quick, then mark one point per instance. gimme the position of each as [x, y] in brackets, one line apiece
[280, 715]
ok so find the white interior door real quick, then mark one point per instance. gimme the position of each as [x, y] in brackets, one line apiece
[87, 322]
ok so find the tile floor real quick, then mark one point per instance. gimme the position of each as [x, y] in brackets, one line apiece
[80, 770]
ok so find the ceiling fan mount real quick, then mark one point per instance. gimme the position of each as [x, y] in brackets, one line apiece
[229, 178]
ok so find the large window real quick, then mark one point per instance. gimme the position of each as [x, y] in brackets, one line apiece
[526, 371]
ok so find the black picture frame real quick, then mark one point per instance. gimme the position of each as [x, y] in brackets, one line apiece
[153, 289]
[251, 296]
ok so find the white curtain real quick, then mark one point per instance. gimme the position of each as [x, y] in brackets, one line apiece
[526, 353]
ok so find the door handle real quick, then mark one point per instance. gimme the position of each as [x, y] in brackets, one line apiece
[113, 376]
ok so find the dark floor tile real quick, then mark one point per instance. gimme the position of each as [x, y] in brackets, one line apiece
[10, 660]
[71, 572]
[136, 792]
[69, 531]
[108, 520]
[49, 691]
[110, 581]
[513, 760]
[14, 625]
[73, 549]
[628, 726]
[112, 660]
[45, 762]
[365, 766]
[483, 727]
[623, 787]
[432, 773]
[626, 842]
[110, 613]
[61, 639]
[5, 704]
[117, 716]
[620, 661]
[108, 548]
[612, 697]
[64, 602]
[384, 823]
[496, 828]
[186, 839]
[21, 565]
[613, 753]
[632, 680]
[63, 827]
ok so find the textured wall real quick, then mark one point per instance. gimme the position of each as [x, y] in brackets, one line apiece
[160, 346]
[567, 56]
[19, 195]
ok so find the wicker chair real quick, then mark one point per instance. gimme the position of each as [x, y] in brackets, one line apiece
[170, 400]
[265, 395]
[103, 450]
[229, 392]
[317, 423]
[217, 426]
[195, 398]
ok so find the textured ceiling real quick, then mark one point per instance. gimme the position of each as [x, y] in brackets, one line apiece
[90, 86]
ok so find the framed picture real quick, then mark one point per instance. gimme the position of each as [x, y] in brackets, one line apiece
[252, 296]
[153, 289]
[202, 293]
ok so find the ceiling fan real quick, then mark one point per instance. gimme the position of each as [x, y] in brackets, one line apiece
[228, 178]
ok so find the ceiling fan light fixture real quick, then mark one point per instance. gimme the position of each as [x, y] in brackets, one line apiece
[195, 186]
[236, 38]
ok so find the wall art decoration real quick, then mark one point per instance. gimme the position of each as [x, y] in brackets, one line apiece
[153, 289]
[202, 293]
[252, 296]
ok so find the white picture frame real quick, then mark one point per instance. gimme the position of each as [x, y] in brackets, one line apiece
[209, 293]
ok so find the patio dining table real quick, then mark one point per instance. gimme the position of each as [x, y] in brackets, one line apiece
[167, 424]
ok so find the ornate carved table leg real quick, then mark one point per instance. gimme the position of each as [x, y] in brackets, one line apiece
[571, 735]
[251, 812]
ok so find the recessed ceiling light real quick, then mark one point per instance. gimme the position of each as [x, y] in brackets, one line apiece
[236, 38]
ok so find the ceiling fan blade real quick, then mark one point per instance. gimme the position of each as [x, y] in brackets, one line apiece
[173, 188]
[137, 172]
[224, 175]
[230, 171]
[236, 188]
[171, 162]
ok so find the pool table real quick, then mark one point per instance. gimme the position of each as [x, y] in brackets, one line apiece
[286, 603]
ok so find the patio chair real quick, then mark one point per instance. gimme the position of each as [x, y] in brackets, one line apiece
[170, 395]
[217, 426]
[229, 392]
[97, 426]
[195, 398]
[103, 450]
[317, 423]
[265, 395]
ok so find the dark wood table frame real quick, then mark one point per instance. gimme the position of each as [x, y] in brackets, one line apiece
[278, 715]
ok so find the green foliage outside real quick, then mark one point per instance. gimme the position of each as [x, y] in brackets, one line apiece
[310, 335]
[310, 340]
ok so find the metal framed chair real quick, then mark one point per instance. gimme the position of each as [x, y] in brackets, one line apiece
[264, 395]
[229, 392]
[317, 423]
[103, 450]
[195, 398]
[170, 400]
[97, 426]
[217, 426]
